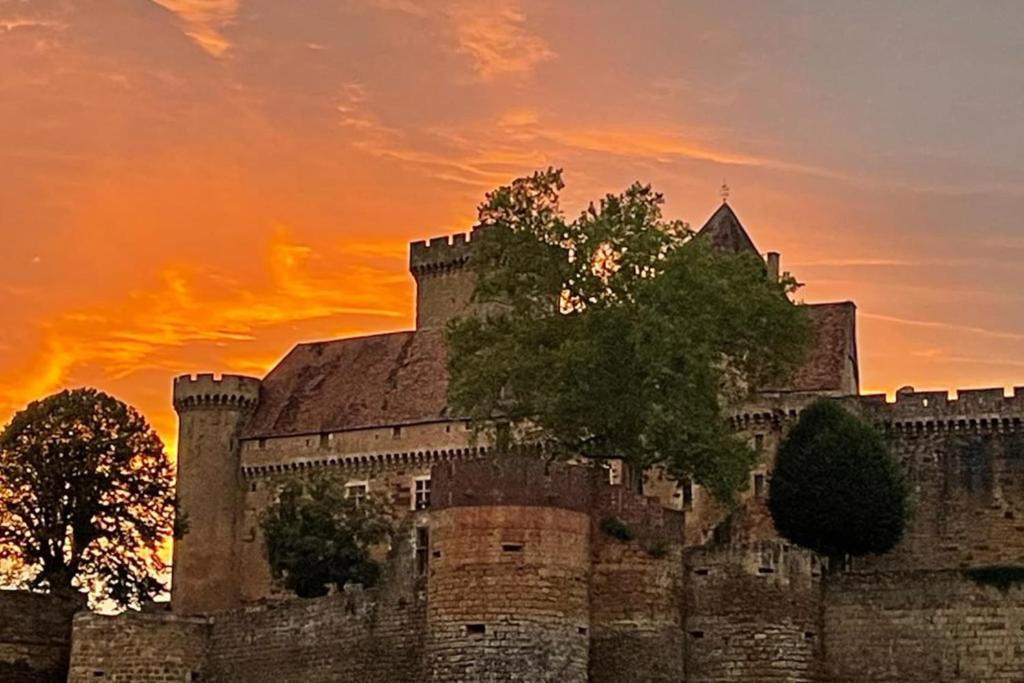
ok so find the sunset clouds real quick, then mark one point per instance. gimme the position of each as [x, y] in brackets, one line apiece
[190, 185]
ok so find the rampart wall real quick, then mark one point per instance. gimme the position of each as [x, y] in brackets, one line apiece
[752, 613]
[35, 635]
[358, 637]
[921, 626]
[138, 648]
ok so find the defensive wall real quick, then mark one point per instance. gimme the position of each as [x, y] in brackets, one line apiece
[35, 636]
[546, 572]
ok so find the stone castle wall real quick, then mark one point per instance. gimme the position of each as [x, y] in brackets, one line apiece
[527, 581]
[921, 627]
[138, 648]
[35, 636]
[752, 613]
[361, 638]
[635, 590]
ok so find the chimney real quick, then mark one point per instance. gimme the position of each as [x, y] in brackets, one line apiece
[771, 260]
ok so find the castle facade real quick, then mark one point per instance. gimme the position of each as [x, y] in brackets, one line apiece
[510, 571]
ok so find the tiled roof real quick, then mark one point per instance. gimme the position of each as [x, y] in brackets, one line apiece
[726, 232]
[401, 378]
[385, 379]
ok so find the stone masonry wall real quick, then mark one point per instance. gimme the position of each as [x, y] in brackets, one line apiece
[357, 637]
[635, 590]
[35, 637]
[926, 627]
[508, 595]
[752, 614]
[138, 648]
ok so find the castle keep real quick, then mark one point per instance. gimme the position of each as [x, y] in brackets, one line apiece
[510, 570]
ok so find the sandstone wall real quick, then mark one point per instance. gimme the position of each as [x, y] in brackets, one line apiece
[444, 285]
[752, 614]
[934, 627]
[508, 594]
[362, 638]
[635, 590]
[356, 637]
[138, 648]
[35, 637]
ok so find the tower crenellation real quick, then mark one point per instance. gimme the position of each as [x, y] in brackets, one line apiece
[439, 254]
[208, 390]
[444, 285]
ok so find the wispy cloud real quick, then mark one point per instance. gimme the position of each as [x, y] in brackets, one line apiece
[940, 325]
[205, 20]
[493, 33]
[495, 36]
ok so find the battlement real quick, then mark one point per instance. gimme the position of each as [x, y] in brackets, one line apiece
[207, 390]
[968, 410]
[440, 254]
[511, 480]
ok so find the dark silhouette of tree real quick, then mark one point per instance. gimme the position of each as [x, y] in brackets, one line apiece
[617, 335]
[86, 498]
[836, 488]
[317, 537]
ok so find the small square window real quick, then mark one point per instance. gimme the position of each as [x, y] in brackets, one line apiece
[356, 491]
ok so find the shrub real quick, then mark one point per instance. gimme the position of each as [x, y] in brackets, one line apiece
[836, 488]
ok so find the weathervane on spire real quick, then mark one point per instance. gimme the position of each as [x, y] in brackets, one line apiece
[723, 192]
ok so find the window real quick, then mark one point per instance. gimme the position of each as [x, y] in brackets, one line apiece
[421, 493]
[759, 485]
[325, 440]
[687, 487]
[422, 550]
[262, 443]
[396, 432]
[356, 490]
[758, 442]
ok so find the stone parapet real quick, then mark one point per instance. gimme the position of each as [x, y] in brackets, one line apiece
[209, 391]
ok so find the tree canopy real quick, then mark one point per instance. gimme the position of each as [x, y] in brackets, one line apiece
[617, 334]
[317, 537]
[836, 488]
[86, 498]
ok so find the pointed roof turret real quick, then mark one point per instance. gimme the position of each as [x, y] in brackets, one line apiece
[726, 232]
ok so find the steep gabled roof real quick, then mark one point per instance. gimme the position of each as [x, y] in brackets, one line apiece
[726, 232]
[385, 379]
[401, 378]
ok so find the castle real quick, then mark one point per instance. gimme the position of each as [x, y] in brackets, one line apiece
[509, 571]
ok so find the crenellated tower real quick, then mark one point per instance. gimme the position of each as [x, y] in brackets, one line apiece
[210, 413]
[444, 283]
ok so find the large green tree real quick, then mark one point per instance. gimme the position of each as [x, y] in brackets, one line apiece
[617, 334]
[836, 488]
[317, 537]
[86, 498]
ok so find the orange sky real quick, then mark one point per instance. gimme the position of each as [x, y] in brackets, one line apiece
[195, 185]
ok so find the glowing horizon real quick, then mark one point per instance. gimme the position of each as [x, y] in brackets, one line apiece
[198, 185]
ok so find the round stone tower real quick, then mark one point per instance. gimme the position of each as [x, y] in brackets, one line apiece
[210, 413]
[508, 596]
